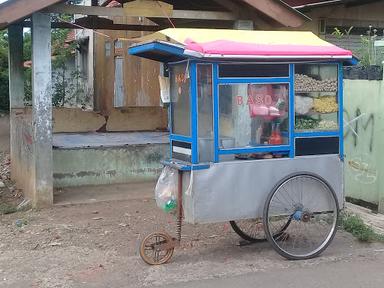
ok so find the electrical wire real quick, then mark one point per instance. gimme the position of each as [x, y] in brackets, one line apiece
[165, 14]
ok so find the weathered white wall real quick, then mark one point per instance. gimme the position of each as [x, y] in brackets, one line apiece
[363, 139]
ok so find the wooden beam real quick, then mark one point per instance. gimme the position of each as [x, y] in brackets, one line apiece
[122, 12]
[229, 5]
[203, 15]
[124, 27]
[15, 10]
[279, 12]
[148, 7]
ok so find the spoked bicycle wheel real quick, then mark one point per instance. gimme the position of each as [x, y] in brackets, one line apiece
[309, 204]
[253, 229]
[249, 229]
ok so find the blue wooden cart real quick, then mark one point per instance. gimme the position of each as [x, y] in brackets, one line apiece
[256, 135]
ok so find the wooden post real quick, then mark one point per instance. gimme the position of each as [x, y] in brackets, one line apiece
[42, 110]
[16, 92]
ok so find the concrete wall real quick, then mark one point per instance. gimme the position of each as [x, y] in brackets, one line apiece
[364, 138]
[72, 120]
[90, 166]
[75, 167]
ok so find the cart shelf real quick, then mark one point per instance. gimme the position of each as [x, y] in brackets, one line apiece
[315, 113]
[310, 92]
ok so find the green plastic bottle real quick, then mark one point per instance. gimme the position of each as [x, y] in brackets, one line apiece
[170, 205]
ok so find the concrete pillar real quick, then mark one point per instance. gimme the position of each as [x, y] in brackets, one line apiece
[42, 111]
[16, 91]
[15, 64]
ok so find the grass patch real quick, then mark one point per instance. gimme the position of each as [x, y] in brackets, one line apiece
[7, 208]
[356, 226]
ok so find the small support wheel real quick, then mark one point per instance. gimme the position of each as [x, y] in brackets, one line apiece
[157, 248]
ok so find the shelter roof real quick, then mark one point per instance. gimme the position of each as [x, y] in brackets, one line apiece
[275, 12]
[306, 4]
[14, 10]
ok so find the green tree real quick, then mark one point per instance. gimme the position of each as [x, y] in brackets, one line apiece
[4, 92]
[61, 52]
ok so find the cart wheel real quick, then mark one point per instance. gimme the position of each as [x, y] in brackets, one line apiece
[156, 248]
[252, 230]
[309, 205]
[249, 229]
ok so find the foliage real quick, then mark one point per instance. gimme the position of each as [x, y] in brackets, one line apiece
[67, 84]
[4, 92]
[6, 208]
[367, 52]
[339, 34]
[356, 226]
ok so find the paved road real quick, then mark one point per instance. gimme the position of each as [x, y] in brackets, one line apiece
[362, 271]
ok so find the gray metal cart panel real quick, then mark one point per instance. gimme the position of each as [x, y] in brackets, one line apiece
[238, 189]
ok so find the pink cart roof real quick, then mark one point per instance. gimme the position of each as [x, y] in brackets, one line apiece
[225, 43]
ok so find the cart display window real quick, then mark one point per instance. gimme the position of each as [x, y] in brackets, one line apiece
[251, 115]
[316, 97]
[180, 100]
[205, 112]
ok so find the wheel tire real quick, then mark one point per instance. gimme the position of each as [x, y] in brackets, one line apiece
[246, 236]
[272, 239]
[243, 234]
[160, 238]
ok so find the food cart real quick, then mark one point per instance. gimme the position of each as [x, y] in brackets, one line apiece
[256, 135]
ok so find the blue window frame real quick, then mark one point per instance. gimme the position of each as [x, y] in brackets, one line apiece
[288, 147]
[291, 134]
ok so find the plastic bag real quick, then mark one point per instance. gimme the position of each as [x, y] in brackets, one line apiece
[166, 190]
[303, 104]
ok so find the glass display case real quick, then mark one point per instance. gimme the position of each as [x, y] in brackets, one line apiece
[253, 115]
[205, 111]
[316, 97]
[180, 99]
[253, 111]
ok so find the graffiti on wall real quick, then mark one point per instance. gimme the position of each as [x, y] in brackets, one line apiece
[360, 164]
[359, 121]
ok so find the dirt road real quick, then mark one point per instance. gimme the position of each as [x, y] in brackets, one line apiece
[95, 245]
